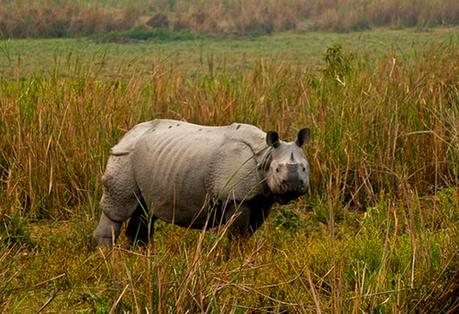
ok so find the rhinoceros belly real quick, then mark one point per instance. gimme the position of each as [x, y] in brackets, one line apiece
[171, 164]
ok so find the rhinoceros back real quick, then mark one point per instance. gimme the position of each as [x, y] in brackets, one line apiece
[127, 143]
[180, 166]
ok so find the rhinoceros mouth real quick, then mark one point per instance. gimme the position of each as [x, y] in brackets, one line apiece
[285, 198]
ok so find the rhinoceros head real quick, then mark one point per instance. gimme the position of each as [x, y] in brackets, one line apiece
[286, 167]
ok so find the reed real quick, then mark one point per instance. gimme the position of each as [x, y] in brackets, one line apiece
[379, 231]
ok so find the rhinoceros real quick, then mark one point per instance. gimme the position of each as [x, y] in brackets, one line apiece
[198, 177]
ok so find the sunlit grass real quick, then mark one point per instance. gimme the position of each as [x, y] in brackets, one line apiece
[378, 233]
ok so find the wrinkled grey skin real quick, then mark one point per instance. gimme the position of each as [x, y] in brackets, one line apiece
[198, 176]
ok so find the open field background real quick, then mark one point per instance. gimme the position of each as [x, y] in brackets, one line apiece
[378, 233]
[197, 57]
[62, 18]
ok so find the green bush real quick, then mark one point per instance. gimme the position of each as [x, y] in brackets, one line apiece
[140, 33]
[13, 231]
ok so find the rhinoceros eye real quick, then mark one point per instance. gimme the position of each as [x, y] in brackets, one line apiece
[277, 169]
[304, 169]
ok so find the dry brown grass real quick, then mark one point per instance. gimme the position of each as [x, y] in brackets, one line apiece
[385, 141]
[249, 17]
[378, 128]
[54, 18]
[62, 19]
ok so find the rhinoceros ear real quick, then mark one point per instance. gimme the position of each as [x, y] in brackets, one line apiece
[304, 136]
[272, 139]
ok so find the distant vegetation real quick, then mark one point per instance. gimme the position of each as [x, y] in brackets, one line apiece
[62, 18]
[140, 33]
[24, 19]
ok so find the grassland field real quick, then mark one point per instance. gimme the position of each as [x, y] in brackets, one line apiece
[28, 56]
[379, 232]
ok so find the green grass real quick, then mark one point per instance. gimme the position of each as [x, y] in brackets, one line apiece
[23, 57]
[142, 34]
[370, 262]
[378, 233]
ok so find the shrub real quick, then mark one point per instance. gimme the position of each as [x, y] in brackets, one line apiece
[159, 21]
[13, 230]
[140, 33]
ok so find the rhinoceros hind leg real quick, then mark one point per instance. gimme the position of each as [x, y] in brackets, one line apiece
[140, 226]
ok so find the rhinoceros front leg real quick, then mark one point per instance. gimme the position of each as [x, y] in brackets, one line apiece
[238, 219]
[244, 220]
[258, 216]
[140, 226]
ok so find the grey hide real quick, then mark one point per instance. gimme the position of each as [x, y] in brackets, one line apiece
[198, 176]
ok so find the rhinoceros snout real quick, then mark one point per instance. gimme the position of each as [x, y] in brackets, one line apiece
[292, 186]
[293, 181]
[289, 190]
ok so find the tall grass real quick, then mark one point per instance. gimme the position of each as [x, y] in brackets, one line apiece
[385, 141]
[22, 19]
[378, 128]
